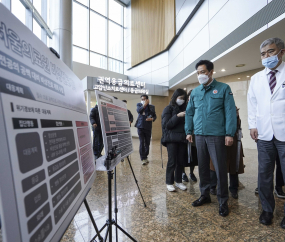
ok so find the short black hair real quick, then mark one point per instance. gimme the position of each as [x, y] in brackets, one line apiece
[125, 101]
[144, 95]
[115, 97]
[209, 65]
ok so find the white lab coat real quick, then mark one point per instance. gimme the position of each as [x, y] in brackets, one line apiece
[266, 112]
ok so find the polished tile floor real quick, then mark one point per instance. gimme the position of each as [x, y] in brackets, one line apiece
[170, 216]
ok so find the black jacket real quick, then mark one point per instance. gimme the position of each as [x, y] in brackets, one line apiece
[94, 118]
[172, 126]
[131, 118]
[148, 110]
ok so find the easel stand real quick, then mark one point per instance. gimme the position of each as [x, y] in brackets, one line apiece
[93, 222]
[110, 220]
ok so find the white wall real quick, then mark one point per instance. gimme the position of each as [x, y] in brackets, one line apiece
[82, 70]
[213, 21]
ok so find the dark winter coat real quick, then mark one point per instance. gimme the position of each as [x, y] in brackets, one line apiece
[172, 126]
[141, 121]
[95, 118]
[131, 117]
[232, 154]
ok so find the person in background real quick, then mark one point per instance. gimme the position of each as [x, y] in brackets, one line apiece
[174, 138]
[98, 144]
[279, 181]
[194, 156]
[146, 115]
[211, 116]
[232, 165]
[131, 117]
[266, 108]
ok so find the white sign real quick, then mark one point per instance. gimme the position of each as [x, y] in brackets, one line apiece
[120, 85]
[115, 128]
[47, 164]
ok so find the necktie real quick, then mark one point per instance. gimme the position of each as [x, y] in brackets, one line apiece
[272, 80]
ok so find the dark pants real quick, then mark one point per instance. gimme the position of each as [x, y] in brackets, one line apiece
[267, 154]
[97, 143]
[233, 181]
[176, 154]
[144, 136]
[214, 147]
[279, 182]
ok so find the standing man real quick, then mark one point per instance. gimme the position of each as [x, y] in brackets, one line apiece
[211, 116]
[146, 115]
[97, 133]
[266, 120]
[131, 117]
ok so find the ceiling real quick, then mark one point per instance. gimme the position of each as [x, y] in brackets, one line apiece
[247, 53]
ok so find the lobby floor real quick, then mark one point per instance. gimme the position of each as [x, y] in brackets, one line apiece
[170, 216]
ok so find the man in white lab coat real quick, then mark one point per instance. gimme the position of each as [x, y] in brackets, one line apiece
[266, 119]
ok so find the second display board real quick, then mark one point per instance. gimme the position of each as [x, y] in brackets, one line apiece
[115, 128]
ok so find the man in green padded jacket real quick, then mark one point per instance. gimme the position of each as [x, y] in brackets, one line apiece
[211, 116]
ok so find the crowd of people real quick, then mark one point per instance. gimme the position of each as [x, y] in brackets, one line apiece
[203, 128]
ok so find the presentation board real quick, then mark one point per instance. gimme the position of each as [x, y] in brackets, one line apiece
[47, 163]
[115, 128]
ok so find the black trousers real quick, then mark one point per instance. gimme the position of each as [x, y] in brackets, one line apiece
[177, 152]
[97, 143]
[233, 181]
[144, 136]
[214, 147]
[279, 181]
[267, 154]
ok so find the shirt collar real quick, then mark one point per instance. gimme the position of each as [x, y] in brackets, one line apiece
[279, 68]
[211, 84]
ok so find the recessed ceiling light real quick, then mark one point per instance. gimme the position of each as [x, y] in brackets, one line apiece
[238, 78]
[240, 65]
[184, 88]
[223, 70]
[247, 76]
[214, 72]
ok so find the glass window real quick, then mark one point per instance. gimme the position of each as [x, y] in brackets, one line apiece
[84, 2]
[116, 66]
[98, 29]
[37, 30]
[115, 41]
[98, 6]
[115, 11]
[80, 55]
[80, 25]
[98, 60]
[38, 5]
[18, 10]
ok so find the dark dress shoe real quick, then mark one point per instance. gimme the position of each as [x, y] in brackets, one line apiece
[224, 210]
[235, 195]
[213, 191]
[256, 190]
[266, 218]
[283, 223]
[202, 200]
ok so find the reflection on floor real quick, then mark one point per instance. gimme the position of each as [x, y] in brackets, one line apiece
[170, 216]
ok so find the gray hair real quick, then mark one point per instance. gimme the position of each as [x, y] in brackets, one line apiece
[279, 43]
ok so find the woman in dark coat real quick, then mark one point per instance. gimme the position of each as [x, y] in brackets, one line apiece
[174, 138]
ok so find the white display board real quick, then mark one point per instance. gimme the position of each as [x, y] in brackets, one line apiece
[47, 164]
[115, 128]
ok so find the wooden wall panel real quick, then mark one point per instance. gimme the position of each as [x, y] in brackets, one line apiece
[153, 27]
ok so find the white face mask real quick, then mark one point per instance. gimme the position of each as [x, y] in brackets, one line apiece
[142, 102]
[180, 102]
[203, 79]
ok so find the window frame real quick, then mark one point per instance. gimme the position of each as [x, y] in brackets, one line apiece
[106, 33]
